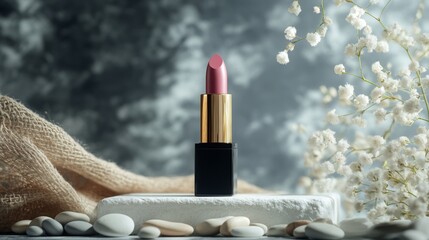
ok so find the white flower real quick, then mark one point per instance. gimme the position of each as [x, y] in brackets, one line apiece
[345, 93]
[412, 105]
[290, 33]
[391, 85]
[316, 9]
[361, 101]
[377, 141]
[322, 30]
[377, 93]
[406, 82]
[376, 67]
[373, 1]
[343, 146]
[380, 115]
[332, 117]
[339, 2]
[294, 8]
[367, 30]
[421, 141]
[282, 57]
[339, 69]
[365, 158]
[382, 47]
[355, 17]
[351, 50]
[359, 121]
[370, 42]
[313, 38]
[328, 167]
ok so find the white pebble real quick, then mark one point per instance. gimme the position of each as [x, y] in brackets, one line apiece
[149, 232]
[114, 225]
[247, 231]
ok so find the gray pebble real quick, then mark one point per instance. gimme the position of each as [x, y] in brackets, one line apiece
[278, 230]
[299, 232]
[422, 225]
[34, 231]
[323, 231]
[355, 227]
[412, 235]
[79, 228]
[68, 216]
[149, 232]
[261, 225]
[247, 231]
[52, 227]
[381, 230]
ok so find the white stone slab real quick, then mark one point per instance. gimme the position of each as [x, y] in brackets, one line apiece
[267, 209]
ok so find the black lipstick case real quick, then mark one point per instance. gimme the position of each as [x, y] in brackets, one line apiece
[215, 165]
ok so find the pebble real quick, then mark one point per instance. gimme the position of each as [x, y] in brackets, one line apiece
[34, 231]
[355, 227]
[172, 229]
[422, 225]
[20, 226]
[385, 228]
[38, 221]
[247, 231]
[261, 225]
[323, 231]
[324, 220]
[149, 232]
[277, 230]
[299, 232]
[79, 228]
[291, 226]
[52, 227]
[234, 222]
[210, 227]
[114, 225]
[412, 235]
[68, 216]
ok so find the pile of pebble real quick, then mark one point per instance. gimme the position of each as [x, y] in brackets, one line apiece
[117, 225]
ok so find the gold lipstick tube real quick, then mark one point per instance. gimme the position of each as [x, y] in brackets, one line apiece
[216, 118]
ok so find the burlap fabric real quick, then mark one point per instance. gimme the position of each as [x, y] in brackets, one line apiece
[44, 171]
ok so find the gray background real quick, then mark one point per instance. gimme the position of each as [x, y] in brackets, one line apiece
[124, 77]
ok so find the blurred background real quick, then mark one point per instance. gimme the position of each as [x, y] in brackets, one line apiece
[124, 78]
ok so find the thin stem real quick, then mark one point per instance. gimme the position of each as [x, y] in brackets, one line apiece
[363, 79]
[384, 8]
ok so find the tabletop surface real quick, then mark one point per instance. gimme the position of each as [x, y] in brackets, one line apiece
[136, 237]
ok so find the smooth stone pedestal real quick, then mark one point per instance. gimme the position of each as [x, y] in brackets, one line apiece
[267, 209]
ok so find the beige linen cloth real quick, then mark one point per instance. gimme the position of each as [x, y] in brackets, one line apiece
[44, 171]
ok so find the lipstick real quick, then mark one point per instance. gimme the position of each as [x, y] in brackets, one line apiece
[216, 154]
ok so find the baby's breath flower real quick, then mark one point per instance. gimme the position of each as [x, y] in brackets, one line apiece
[382, 46]
[361, 101]
[380, 115]
[377, 93]
[355, 17]
[290, 33]
[412, 105]
[345, 92]
[332, 117]
[282, 57]
[313, 38]
[339, 69]
[342, 146]
[294, 8]
[376, 67]
[316, 9]
[350, 50]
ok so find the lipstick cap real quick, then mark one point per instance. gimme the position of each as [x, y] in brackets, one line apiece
[215, 165]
